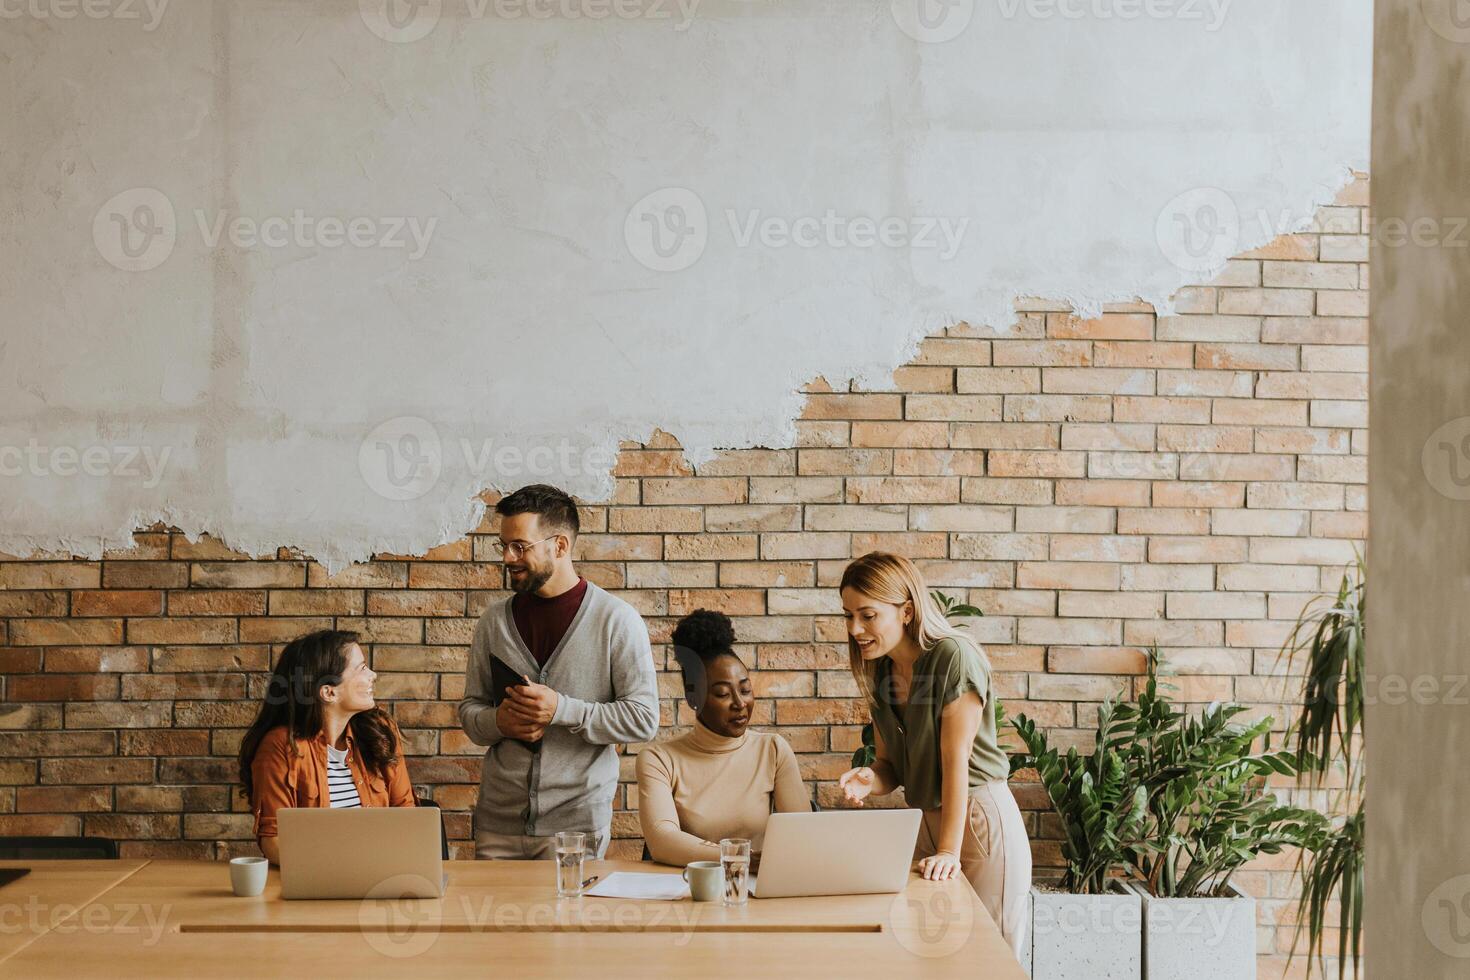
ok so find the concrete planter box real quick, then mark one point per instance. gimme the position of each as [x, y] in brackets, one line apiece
[1085, 937]
[1199, 938]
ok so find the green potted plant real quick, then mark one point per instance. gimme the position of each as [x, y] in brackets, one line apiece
[1089, 926]
[1208, 813]
[1329, 638]
[1169, 806]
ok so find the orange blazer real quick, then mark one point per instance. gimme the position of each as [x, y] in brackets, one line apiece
[284, 777]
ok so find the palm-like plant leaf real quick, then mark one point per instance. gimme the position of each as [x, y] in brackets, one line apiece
[1330, 640]
[1329, 735]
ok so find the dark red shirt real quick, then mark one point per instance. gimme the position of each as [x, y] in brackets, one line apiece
[543, 622]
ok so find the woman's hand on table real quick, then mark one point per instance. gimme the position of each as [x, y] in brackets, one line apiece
[940, 867]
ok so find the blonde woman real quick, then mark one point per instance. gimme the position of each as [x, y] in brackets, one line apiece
[928, 686]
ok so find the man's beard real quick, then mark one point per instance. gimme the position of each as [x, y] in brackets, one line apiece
[532, 580]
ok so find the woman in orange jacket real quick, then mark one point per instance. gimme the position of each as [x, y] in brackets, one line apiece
[319, 739]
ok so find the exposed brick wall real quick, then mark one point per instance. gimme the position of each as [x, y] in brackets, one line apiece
[1095, 486]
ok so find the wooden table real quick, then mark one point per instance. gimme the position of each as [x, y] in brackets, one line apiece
[50, 895]
[504, 915]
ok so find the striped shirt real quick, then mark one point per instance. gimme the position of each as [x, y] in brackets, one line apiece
[339, 779]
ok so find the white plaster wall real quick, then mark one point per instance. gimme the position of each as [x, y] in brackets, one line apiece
[280, 388]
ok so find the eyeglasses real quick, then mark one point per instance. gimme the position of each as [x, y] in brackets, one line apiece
[515, 549]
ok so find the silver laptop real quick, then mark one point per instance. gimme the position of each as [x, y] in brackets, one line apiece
[363, 852]
[837, 852]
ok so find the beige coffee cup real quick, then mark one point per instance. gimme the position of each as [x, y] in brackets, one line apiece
[706, 880]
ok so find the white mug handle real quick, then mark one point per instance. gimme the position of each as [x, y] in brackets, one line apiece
[685, 875]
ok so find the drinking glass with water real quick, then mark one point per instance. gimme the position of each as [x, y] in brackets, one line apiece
[571, 851]
[735, 860]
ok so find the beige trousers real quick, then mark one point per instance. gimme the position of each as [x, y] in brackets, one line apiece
[517, 847]
[995, 856]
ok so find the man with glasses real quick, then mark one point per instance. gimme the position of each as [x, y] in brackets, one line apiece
[558, 674]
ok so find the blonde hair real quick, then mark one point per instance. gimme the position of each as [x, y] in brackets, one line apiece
[895, 580]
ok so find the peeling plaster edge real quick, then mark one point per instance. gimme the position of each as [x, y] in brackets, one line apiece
[875, 375]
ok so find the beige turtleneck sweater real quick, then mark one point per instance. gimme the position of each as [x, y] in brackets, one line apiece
[701, 787]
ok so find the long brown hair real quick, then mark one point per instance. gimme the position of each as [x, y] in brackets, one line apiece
[291, 700]
[895, 580]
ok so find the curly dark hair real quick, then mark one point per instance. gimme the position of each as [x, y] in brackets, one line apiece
[555, 509]
[291, 700]
[701, 638]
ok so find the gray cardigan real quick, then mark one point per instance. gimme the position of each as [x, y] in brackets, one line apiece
[603, 674]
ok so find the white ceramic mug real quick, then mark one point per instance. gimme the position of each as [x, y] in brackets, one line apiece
[248, 874]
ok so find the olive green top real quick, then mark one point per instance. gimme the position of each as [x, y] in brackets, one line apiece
[910, 731]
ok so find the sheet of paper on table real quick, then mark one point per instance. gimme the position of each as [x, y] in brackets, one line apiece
[630, 884]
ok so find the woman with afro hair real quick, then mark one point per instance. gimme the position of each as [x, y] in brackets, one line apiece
[720, 779]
